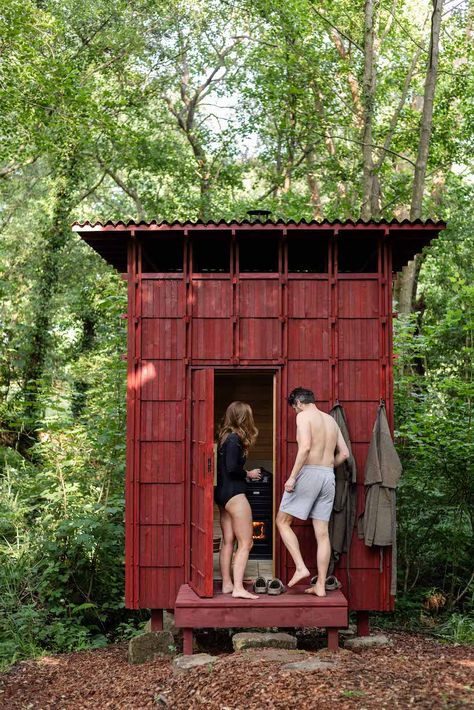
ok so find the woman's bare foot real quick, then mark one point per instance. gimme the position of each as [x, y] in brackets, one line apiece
[227, 588]
[243, 594]
[316, 590]
[298, 576]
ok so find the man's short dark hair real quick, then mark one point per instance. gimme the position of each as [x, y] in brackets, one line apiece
[302, 395]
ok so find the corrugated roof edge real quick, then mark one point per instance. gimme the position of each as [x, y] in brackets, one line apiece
[253, 223]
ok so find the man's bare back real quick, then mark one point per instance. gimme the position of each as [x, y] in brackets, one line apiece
[321, 433]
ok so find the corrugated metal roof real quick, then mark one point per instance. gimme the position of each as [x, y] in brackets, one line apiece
[257, 223]
[110, 239]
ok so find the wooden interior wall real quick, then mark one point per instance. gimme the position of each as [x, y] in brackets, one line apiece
[257, 390]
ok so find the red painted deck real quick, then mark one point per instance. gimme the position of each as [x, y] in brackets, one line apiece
[292, 609]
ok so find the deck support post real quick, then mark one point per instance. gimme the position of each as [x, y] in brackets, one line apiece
[188, 642]
[363, 628]
[157, 619]
[333, 639]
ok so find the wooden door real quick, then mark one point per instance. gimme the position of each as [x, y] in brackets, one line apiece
[202, 481]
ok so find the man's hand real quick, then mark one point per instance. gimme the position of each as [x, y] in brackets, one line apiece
[290, 484]
[255, 474]
[342, 452]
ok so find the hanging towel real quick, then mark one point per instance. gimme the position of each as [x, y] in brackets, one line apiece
[343, 515]
[377, 524]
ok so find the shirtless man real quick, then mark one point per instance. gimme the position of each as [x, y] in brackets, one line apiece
[309, 491]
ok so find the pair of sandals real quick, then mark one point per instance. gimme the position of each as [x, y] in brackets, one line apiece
[332, 583]
[265, 586]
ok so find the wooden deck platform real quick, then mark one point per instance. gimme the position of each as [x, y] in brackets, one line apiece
[292, 609]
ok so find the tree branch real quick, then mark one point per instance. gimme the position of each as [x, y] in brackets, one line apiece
[340, 32]
[398, 110]
[128, 190]
[93, 188]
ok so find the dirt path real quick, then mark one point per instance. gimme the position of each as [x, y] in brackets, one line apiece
[414, 672]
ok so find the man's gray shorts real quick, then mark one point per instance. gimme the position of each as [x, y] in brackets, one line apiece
[313, 494]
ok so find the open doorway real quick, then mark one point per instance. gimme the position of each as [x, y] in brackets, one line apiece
[257, 388]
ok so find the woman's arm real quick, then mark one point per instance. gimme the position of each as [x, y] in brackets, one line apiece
[233, 457]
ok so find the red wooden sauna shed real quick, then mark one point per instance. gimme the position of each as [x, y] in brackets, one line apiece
[247, 310]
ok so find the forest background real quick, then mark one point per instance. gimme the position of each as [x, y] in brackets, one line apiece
[172, 110]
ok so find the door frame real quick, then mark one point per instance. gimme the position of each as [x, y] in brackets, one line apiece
[278, 449]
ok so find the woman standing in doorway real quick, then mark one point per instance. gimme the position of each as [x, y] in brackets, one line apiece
[236, 435]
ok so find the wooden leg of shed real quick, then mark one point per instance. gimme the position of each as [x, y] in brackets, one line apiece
[333, 639]
[157, 619]
[188, 642]
[363, 623]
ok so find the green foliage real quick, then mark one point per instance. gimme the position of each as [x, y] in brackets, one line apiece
[434, 422]
[457, 629]
[62, 506]
[175, 110]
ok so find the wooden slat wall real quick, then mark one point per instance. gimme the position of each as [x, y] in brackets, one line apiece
[329, 332]
[360, 351]
[162, 441]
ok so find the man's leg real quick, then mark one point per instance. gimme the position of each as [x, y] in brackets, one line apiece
[284, 521]
[323, 556]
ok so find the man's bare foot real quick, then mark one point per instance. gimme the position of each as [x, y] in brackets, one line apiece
[298, 576]
[243, 594]
[316, 590]
[227, 589]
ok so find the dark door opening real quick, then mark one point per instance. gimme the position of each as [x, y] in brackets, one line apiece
[257, 389]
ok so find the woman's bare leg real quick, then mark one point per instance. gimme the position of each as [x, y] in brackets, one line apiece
[241, 514]
[225, 553]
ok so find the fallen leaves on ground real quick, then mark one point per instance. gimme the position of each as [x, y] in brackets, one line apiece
[414, 671]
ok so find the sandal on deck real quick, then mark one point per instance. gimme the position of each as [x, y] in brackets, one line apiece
[276, 586]
[332, 583]
[260, 586]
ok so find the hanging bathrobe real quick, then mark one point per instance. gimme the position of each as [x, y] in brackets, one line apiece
[343, 514]
[377, 524]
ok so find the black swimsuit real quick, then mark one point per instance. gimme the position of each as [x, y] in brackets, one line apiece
[231, 474]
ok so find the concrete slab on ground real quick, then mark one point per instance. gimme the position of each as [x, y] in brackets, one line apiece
[310, 665]
[245, 640]
[367, 641]
[186, 663]
[148, 646]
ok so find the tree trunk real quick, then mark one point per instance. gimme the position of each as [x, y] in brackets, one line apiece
[408, 279]
[80, 387]
[368, 107]
[406, 283]
[427, 114]
[52, 242]
[313, 186]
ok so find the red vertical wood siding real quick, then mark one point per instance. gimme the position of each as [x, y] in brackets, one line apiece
[131, 564]
[211, 312]
[330, 332]
[161, 514]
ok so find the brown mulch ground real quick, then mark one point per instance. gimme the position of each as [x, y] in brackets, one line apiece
[415, 672]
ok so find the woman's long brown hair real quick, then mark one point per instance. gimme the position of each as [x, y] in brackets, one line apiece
[239, 419]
